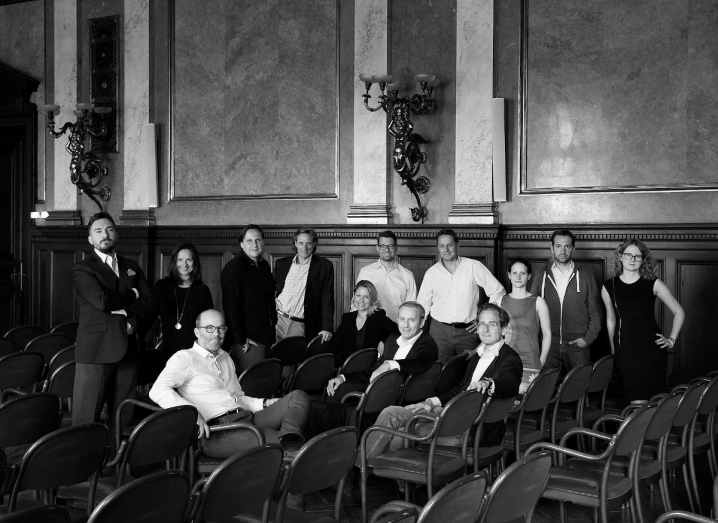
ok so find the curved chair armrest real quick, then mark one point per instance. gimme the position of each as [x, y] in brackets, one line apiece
[420, 416]
[395, 432]
[392, 508]
[629, 408]
[10, 390]
[240, 425]
[354, 394]
[517, 408]
[608, 417]
[569, 452]
[118, 457]
[682, 514]
[588, 432]
[118, 415]
[679, 388]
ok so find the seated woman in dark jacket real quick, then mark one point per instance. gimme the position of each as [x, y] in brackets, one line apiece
[411, 352]
[367, 327]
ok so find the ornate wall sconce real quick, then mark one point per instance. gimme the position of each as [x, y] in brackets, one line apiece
[86, 169]
[407, 156]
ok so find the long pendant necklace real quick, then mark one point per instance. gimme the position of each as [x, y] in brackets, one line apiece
[178, 325]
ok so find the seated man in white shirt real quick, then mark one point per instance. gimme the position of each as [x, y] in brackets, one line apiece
[411, 352]
[205, 377]
[495, 367]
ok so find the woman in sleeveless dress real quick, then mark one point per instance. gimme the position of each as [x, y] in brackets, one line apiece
[630, 299]
[529, 316]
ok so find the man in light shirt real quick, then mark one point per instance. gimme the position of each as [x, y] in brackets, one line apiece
[495, 368]
[574, 303]
[205, 377]
[305, 290]
[450, 293]
[394, 283]
[411, 352]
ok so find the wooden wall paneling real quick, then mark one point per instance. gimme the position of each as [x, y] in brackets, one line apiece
[42, 285]
[699, 336]
[63, 305]
[418, 265]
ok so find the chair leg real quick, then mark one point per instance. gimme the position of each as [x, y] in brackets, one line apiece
[634, 506]
[686, 481]
[365, 517]
[562, 512]
[694, 481]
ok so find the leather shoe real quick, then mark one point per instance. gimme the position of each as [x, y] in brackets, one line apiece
[292, 444]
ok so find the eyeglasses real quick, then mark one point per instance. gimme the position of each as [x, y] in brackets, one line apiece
[491, 324]
[211, 328]
[632, 257]
[386, 247]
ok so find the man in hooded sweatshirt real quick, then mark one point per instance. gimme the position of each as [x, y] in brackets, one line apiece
[573, 299]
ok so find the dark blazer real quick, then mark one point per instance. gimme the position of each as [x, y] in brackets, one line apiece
[319, 295]
[248, 300]
[421, 356]
[506, 371]
[102, 336]
[377, 328]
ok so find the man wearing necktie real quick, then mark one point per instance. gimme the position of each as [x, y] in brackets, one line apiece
[111, 293]
[494, 368]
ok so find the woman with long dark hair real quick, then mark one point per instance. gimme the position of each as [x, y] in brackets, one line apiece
[179, 298]
[636, 340]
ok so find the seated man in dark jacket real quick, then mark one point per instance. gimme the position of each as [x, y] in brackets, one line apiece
[411, 352]
[495, 368]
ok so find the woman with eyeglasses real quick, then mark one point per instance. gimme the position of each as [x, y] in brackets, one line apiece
[179, 298]
[636, 340]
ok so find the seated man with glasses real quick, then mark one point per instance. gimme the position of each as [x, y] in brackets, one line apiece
[204, 376]
[494, 368]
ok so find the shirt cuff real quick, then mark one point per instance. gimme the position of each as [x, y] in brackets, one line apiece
[393, 365]
[137, 293]
[436, 402]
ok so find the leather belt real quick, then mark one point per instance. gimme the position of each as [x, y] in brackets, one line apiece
[293, 318]
[215, 421]
[456, 325]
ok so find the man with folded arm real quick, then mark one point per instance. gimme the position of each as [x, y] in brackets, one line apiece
[411, 352]
[495, 368]
[204, 376]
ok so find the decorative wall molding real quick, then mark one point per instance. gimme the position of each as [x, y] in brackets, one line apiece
[474, 213]
[63, 218]
[105, 76]
[370, 214]
[138, 217]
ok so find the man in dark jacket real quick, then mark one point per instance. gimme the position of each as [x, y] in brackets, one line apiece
[494, 368]
[573, 300]
[305, 290]
[411, 352]
[112, 294]
[248, 300]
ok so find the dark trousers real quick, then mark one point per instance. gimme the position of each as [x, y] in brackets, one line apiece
[565, 357]
[96, 383]
[287, 416]
[452, 341]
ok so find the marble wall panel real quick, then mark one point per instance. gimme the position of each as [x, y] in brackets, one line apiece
[255, 99]
[423, 40]
[618, 94]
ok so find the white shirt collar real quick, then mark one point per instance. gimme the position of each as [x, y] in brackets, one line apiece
[494, 349]
[380, 265]
[204, 353]
[571, 266]
[296, 260]
[104, 256]
[410, 341]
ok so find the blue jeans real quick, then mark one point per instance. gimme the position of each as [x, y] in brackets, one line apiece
[566, 356]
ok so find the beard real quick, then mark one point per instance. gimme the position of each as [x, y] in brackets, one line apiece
[106, 247]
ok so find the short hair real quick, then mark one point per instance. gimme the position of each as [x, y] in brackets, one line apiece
[198, 321]
[196, 276]
[503, 315]
[414, 305]
[386, 234]
[248, 228]
[563, 232]
[305, 230]
[373, 294]
[649, 267]
[99, 216]
[447, 232]
[522, 261]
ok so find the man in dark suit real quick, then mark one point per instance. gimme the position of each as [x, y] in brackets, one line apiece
[412, 351]
[305, 290]
[112, 293]
[248, 300]
[494, 368]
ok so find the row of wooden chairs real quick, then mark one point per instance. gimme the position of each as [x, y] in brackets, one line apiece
[17, 338]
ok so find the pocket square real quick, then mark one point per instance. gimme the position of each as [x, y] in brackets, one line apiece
[130, 272]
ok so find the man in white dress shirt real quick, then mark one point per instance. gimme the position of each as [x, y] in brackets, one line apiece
[450, 293]
[205, 377]
[394, 283]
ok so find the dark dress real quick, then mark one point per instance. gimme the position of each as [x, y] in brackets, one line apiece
[198, 299]
[641, 363]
